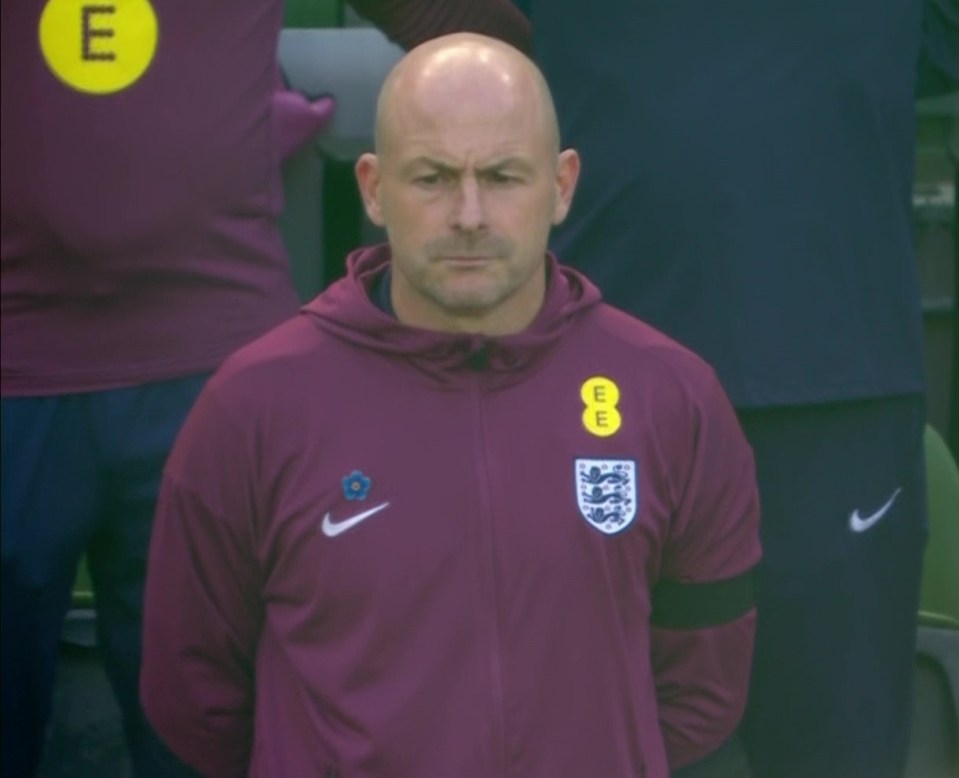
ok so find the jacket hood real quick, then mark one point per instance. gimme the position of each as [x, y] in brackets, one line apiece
[346, 311]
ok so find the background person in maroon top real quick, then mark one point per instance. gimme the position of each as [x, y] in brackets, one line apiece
[139, 195]
[140, 190]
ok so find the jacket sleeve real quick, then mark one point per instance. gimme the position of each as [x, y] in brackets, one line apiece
[411, 22]
[703, 619]
[202, 612]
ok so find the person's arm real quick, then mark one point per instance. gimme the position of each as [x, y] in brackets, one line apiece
[202, 613]
[703, 619]
[296, 118]
[411, 22]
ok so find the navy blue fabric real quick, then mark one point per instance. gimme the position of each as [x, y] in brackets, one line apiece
[746, 182]
[727, 761]
[835, 642]
[80, 473]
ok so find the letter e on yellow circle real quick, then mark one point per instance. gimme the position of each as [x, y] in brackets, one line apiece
[600, 395]
[98, 46]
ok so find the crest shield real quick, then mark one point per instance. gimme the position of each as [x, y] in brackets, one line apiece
[607, 493]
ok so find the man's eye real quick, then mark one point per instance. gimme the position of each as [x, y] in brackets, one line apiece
[437, 178]
[498, 177]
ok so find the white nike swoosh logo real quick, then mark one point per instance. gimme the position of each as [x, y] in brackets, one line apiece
[333, 528]
[859, 523]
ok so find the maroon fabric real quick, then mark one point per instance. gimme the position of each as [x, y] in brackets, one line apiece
[138, 229]
[139, 240]
[297, 118]
[475, 623]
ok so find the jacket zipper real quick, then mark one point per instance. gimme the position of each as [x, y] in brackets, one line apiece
[489, 578]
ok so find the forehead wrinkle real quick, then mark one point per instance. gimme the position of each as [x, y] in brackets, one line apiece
[479, 144]
[482, 142]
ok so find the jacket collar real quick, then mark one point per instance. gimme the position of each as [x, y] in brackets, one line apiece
[347, 311]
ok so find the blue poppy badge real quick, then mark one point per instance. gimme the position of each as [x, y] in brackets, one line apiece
[356, 486]
[607, 493]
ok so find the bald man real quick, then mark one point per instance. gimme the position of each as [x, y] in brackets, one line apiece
[458, 518]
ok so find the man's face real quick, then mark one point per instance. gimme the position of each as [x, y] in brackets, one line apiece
[468, 186]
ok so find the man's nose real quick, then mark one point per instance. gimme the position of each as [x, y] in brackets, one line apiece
[469, 212]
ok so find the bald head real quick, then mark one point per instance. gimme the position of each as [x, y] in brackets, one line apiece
[463, 77]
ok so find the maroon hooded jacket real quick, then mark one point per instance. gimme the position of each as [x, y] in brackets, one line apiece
[383, 551]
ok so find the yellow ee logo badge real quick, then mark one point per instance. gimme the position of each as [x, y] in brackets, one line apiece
[600, 395]
[98, 46]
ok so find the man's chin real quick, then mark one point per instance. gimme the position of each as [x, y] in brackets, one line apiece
[469, 302]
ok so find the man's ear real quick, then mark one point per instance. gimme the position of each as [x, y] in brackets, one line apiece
[567, 174]
[367, 171]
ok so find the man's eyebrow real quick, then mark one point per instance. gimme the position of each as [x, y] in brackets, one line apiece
[429, 162]
[441, 166]
[513, 163]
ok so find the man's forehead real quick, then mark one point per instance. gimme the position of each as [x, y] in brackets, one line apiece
[443, 110]
[465, 126]
[466, 91]
[480, 144]
[437, 95]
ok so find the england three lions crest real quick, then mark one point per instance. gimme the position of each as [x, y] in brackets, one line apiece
[607, 493]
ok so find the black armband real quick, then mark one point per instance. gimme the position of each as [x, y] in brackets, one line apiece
[679, 605]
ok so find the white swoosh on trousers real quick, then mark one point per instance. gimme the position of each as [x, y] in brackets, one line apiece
[859, 523]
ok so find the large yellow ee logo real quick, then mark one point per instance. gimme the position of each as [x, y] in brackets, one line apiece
[600, 395]
[98, 46]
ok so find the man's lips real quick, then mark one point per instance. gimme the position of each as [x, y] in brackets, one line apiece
[466, 258]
